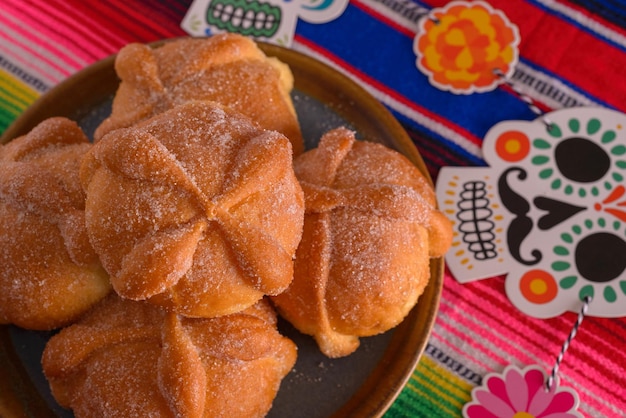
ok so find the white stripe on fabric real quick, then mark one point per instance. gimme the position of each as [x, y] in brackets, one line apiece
[399, 107]
[585, 21]
[13, 50]
[72, 59]
[546, 89]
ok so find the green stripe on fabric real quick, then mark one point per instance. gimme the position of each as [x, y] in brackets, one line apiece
[5, 119]
[10, 107]
[432, 391]
[15, 97]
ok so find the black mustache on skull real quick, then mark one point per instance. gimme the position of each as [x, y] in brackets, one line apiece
[521, 225]
[557, 212]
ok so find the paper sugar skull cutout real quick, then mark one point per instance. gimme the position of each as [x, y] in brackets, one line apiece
[466, 47]
[268, 20]
[549, 211]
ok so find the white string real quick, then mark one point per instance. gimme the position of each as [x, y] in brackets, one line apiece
[581, 315]
[525, 98]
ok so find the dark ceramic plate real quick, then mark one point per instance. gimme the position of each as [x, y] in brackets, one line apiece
[362, 385]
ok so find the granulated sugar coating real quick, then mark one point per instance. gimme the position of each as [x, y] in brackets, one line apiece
[197, 210]
[131, 359]
[228, 68]
[49, 273]
[370, 228]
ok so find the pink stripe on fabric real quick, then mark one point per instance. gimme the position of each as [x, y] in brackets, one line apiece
[492, 305]
[525, 328]
[66, 24]
[556, 328]
[546, 358]
[33, 64]
[448, 324]
[440, 340]
[96, 40]
[511, 346]
[457, 301]
[44, 41]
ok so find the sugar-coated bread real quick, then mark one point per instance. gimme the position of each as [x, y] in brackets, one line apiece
[371, 226]
[228, 68]
[49, 273]
[132, 359]
[197, 210]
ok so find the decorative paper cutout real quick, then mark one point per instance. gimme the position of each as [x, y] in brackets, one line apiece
[521, 394]
[463, 46]
[550, 210]
[267, 20]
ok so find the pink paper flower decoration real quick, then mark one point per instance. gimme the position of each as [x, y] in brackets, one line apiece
[521, 394]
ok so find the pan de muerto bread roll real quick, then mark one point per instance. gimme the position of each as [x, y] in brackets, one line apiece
[49, 273]
[197, 210]
[370, 228]
[132, 359]
[229, 69]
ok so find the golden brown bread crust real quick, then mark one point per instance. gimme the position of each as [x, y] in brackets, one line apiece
[197, 210]
[49, 273]
[131, 359]
[370, 227]
[228, 68]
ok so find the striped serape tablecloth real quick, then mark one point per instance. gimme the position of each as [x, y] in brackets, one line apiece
[571, 53]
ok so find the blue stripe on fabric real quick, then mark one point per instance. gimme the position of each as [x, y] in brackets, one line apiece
[611, 11]
[576, 24]
[395, 67]
[450, 146]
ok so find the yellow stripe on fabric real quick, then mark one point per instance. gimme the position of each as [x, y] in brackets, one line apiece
[15, 97]
[450, 391]
[20, 91]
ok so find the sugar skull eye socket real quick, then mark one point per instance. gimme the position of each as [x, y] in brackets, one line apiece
[600, 257]
[581, 160]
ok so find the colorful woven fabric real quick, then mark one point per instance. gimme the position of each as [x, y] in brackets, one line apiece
[572, 53]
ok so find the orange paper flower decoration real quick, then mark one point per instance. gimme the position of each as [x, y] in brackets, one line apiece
[461, 47]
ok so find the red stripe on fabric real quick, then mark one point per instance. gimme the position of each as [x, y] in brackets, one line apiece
[500, 320]
[45, 41]
[142, 15]
[470, 341]
[595, 370]
[606, 364]
[597, 19]
[29, 65]
[98, 36]
[564, 49]
[540, 105]
[379, 16]
[64, 71]
[111, 23]
[543, 338]
[63, 24]
[387, 91]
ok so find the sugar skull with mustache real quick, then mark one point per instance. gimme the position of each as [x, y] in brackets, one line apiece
[549, 211]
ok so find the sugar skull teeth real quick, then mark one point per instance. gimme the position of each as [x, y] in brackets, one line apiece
[250, 18]
[476, 225]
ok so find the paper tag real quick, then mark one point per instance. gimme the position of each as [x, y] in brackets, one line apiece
[550, 210]
[521, 394]
[268, 20]
[466, 47]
